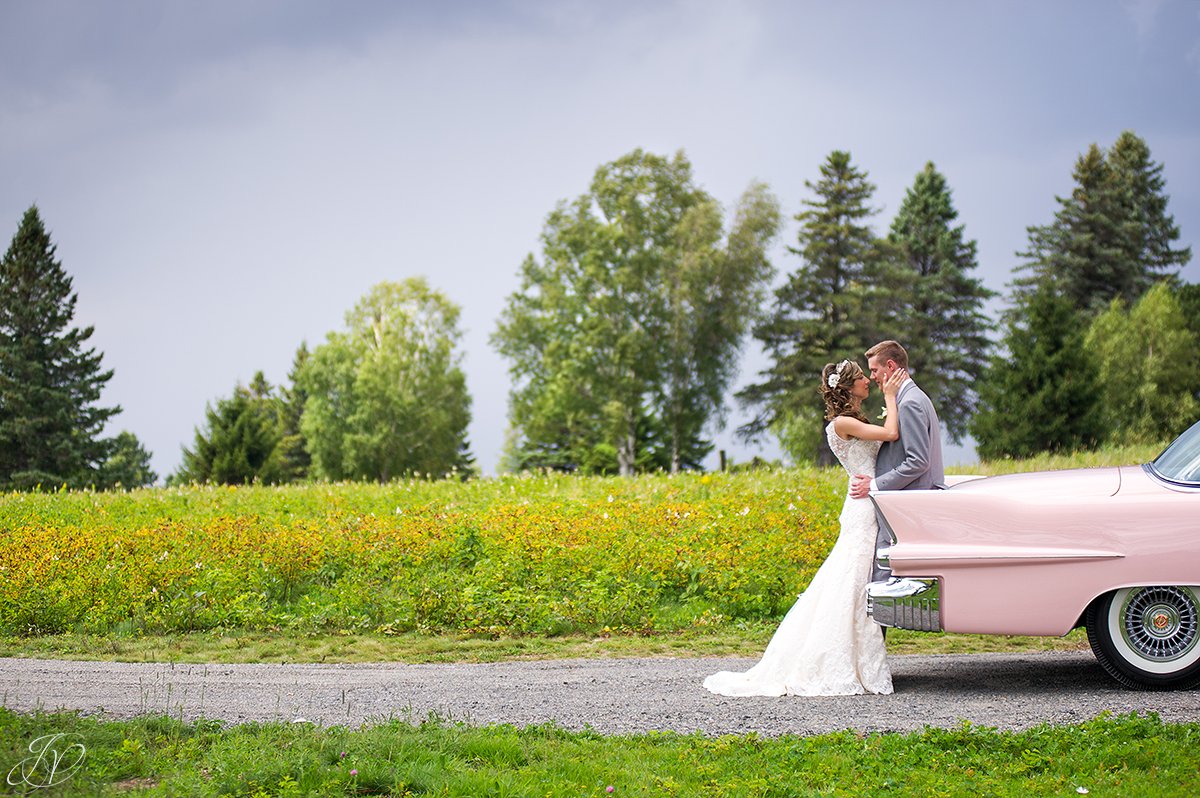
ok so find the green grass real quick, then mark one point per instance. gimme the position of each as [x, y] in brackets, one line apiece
[1128, 755]
[695, 565]
[1107, 456]
[743, 640]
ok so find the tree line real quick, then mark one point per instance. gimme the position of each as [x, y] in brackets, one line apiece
[625, 332]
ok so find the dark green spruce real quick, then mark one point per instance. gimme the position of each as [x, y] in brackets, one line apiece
[1112, 238]
[291, 454]
[238, 443]
[944, 325]
[1041, 396]
[50, 381]
[127, 466]
[835, 305]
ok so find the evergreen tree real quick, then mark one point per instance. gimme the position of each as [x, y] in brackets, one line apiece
[832, 307]
[1153, 229]
[238, 444]
[1041, 396]
[945, 329]
[1111, 239]
[50, 384]
[1085, 251]
[128, 466]
[1145, 394]
[291, 453]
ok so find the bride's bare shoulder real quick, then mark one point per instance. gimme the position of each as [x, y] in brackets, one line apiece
[842, 427]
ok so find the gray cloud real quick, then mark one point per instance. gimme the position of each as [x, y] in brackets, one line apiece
[225, 180]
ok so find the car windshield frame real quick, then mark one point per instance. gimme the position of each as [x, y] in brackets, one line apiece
[1180, 462]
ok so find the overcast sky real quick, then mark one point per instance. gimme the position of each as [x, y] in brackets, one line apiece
[224, 180]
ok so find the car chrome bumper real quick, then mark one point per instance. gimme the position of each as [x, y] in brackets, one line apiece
[906, 603]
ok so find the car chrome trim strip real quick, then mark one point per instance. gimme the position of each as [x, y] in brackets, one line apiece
[1100, 555]
[1174, 484]
[906, 603]
[882, 520]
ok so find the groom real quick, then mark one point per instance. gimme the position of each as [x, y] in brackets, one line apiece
[914, 462]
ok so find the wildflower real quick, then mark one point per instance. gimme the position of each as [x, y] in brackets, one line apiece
[354, 772]
[610, 788]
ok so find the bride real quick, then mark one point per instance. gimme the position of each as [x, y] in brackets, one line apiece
[826, 645]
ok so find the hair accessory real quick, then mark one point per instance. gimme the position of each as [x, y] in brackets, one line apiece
[835, 376]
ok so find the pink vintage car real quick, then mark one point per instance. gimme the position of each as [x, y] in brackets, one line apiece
[1114, 549]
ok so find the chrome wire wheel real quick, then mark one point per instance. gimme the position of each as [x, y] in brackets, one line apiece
[1148, 636]
[1160, 623]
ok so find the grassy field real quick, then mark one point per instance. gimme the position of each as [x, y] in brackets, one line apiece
[515, 568]
[222, 646]
[525, 566]
[1127, 756]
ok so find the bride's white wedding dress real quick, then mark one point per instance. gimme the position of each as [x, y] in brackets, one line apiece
[826, 645]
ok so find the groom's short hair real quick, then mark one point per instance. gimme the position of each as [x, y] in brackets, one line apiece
[889, 350]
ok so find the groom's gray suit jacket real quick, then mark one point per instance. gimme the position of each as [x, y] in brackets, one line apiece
[914, 462]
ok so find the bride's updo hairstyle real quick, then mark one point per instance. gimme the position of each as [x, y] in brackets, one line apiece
[836, 381]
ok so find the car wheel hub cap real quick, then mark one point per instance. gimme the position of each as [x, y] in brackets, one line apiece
[1160, 623]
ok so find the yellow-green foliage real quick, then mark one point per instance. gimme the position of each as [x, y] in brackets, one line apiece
[533, 554]
[544, 555]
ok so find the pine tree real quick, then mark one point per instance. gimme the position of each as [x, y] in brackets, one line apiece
[1154, 230]
[1085, 251]
[1111, 239]
[945, 329]
[1039, 397]
[830, 308]
[238, 444]
[291, 455]
[50, 385]
[128, 466]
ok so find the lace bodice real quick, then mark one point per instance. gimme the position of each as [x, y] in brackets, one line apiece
[856, 456]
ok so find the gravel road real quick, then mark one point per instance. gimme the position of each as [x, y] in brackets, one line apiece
[613, 696]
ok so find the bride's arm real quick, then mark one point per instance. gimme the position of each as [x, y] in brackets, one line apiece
[850, 427]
